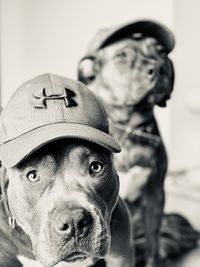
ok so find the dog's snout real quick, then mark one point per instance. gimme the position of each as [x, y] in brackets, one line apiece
[73, 222]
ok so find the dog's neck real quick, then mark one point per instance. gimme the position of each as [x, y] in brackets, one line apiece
[13, 241]
[131, 116]
[137, 121]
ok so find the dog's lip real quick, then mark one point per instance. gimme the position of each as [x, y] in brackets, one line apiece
[70, 258]
[75, 256]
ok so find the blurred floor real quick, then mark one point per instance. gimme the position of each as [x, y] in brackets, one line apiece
[183, 195]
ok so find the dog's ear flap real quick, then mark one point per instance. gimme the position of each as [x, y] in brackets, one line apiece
[170, 76]
[86, 69]
[4, 181]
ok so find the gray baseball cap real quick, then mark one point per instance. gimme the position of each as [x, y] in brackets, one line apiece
[47, 108]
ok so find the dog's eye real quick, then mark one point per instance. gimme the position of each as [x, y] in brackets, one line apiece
[95, 167]
[33, 176]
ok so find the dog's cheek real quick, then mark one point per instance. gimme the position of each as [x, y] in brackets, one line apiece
[109, 190]
[111, 74]
[21, 207]
[112, 84]
[114, 187]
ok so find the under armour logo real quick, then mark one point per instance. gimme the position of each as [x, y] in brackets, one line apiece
[43, 97]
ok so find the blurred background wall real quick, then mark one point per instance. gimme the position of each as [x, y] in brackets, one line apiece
[39, 36]
[185, 112]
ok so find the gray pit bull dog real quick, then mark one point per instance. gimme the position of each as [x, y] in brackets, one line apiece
[59, 188]
[129, 69]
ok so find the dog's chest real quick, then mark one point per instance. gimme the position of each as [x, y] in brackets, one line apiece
[141, 158]
[135, 165]
[140, 146]
[134, 154]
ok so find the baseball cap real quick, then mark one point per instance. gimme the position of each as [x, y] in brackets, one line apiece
[50, 107]
[148, 28]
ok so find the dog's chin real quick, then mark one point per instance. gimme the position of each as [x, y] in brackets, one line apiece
[51, 252]
[75, 257]
[72, 257]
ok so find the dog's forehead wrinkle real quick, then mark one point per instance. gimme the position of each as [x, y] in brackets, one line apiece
[84, 154]
[53, 155]
[79, 152]
[108, 52]
[128, 43]
[36, 160]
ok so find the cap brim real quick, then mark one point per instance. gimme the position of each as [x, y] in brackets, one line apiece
[14, 151]
[145, 27]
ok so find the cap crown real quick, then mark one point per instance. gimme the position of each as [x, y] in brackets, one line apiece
[50, 99]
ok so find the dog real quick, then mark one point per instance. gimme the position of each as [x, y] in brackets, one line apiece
[129, 69]
[59, 188]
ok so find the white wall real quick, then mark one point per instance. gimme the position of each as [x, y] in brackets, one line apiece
[51, 35]
[185, 107]
[41, 36]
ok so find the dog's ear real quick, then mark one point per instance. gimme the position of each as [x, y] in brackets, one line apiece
[168, 73]
[86, 69]
[4, 181]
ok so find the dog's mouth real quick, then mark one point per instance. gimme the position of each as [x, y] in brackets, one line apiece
[75, 256]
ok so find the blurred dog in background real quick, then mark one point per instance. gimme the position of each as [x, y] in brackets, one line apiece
[129, 69]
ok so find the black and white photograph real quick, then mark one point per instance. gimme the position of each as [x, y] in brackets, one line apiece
[99, 133]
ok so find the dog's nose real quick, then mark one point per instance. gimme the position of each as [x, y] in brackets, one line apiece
[73, 222]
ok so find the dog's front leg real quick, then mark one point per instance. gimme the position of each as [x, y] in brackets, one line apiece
[152, 205]
[122, 251]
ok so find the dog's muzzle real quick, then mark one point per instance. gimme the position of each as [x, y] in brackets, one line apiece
[72, 233]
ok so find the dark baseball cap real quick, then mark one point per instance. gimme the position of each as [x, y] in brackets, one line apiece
[146, 28]
[47, 108]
